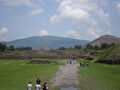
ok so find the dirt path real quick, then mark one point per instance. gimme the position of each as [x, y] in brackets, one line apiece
[67, 76]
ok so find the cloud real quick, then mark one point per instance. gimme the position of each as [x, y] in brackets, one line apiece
[94, 33]
[87, 16]
[33, 4]
[73, 34]
[27, 3]
[3, 31]
[54, 19]
[75, 11]
[36, 11]
[82, 12]
[104, 17]
[118, 7]
[43, 33]
[75, 14]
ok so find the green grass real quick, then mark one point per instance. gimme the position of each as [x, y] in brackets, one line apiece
[50, 59]
[113, 50]
[15, 74]
[100, 77]
[82, 60]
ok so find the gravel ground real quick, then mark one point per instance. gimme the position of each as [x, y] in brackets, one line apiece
[67, 76]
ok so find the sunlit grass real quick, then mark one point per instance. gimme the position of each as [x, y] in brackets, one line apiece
[15, 74]
[100, 77]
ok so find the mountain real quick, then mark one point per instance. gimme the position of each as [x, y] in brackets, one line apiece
[51, 42]
[109, 39]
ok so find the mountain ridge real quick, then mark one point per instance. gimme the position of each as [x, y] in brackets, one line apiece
[51, 42]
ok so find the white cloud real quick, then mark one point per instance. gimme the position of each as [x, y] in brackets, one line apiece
[87, 5]
[3, 39]
[103, 16]
[118, 7]
[3, 31]
[54, 19]
[76, 11]
[43, 33]
[36, 11]
[75, 14]
[94, 33]
[18, 2]
[73, 34]
[82, 11]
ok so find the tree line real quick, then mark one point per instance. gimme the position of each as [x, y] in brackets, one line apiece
[4, 47]
[91, 47]
[102, 47]
[75, 47]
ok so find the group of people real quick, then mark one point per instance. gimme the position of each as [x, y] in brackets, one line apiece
[38, 85]
[84, 64]
[70, 62]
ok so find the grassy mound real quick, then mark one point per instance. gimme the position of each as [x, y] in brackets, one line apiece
[111, 55]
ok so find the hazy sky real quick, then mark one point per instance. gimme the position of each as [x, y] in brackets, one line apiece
[79, 19]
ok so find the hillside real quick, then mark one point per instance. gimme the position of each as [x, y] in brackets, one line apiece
[113, 52]
[50, 42]
[111, 55]
[109, 39]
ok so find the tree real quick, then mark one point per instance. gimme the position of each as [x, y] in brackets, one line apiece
[2, 47]
[27, 48]
[88, 46]
[96, 47]
[23, 48]
[11, 48]
[106, 45]
[62, 48]
[78, 47]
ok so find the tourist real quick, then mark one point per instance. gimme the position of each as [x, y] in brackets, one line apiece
[37, 86]
[38, 81]
[45, 87]
[70, 62]
[67, 61]
[81, 64]
[29, 86]
[87, 63]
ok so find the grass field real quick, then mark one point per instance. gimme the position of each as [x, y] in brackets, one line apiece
[100, 77]
[15, 74]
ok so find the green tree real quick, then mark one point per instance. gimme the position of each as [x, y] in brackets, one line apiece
[78, 47]
[11, 48]
[62, 48]
[96, 47]
[88, 46]
[2, 47]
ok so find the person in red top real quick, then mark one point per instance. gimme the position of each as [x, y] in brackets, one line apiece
[45, 87]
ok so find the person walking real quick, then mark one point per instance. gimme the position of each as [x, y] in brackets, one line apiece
[38, 81]
[45, 87]
[37, 86]
[29, 86]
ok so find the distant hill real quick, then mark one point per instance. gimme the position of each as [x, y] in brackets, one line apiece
[109, 39]
[51, 42]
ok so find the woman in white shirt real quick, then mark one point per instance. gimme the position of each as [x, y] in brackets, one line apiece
[29, 86]
[37, 87]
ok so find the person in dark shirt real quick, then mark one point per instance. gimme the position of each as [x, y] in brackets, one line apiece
[38, 81]
[45, 87]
